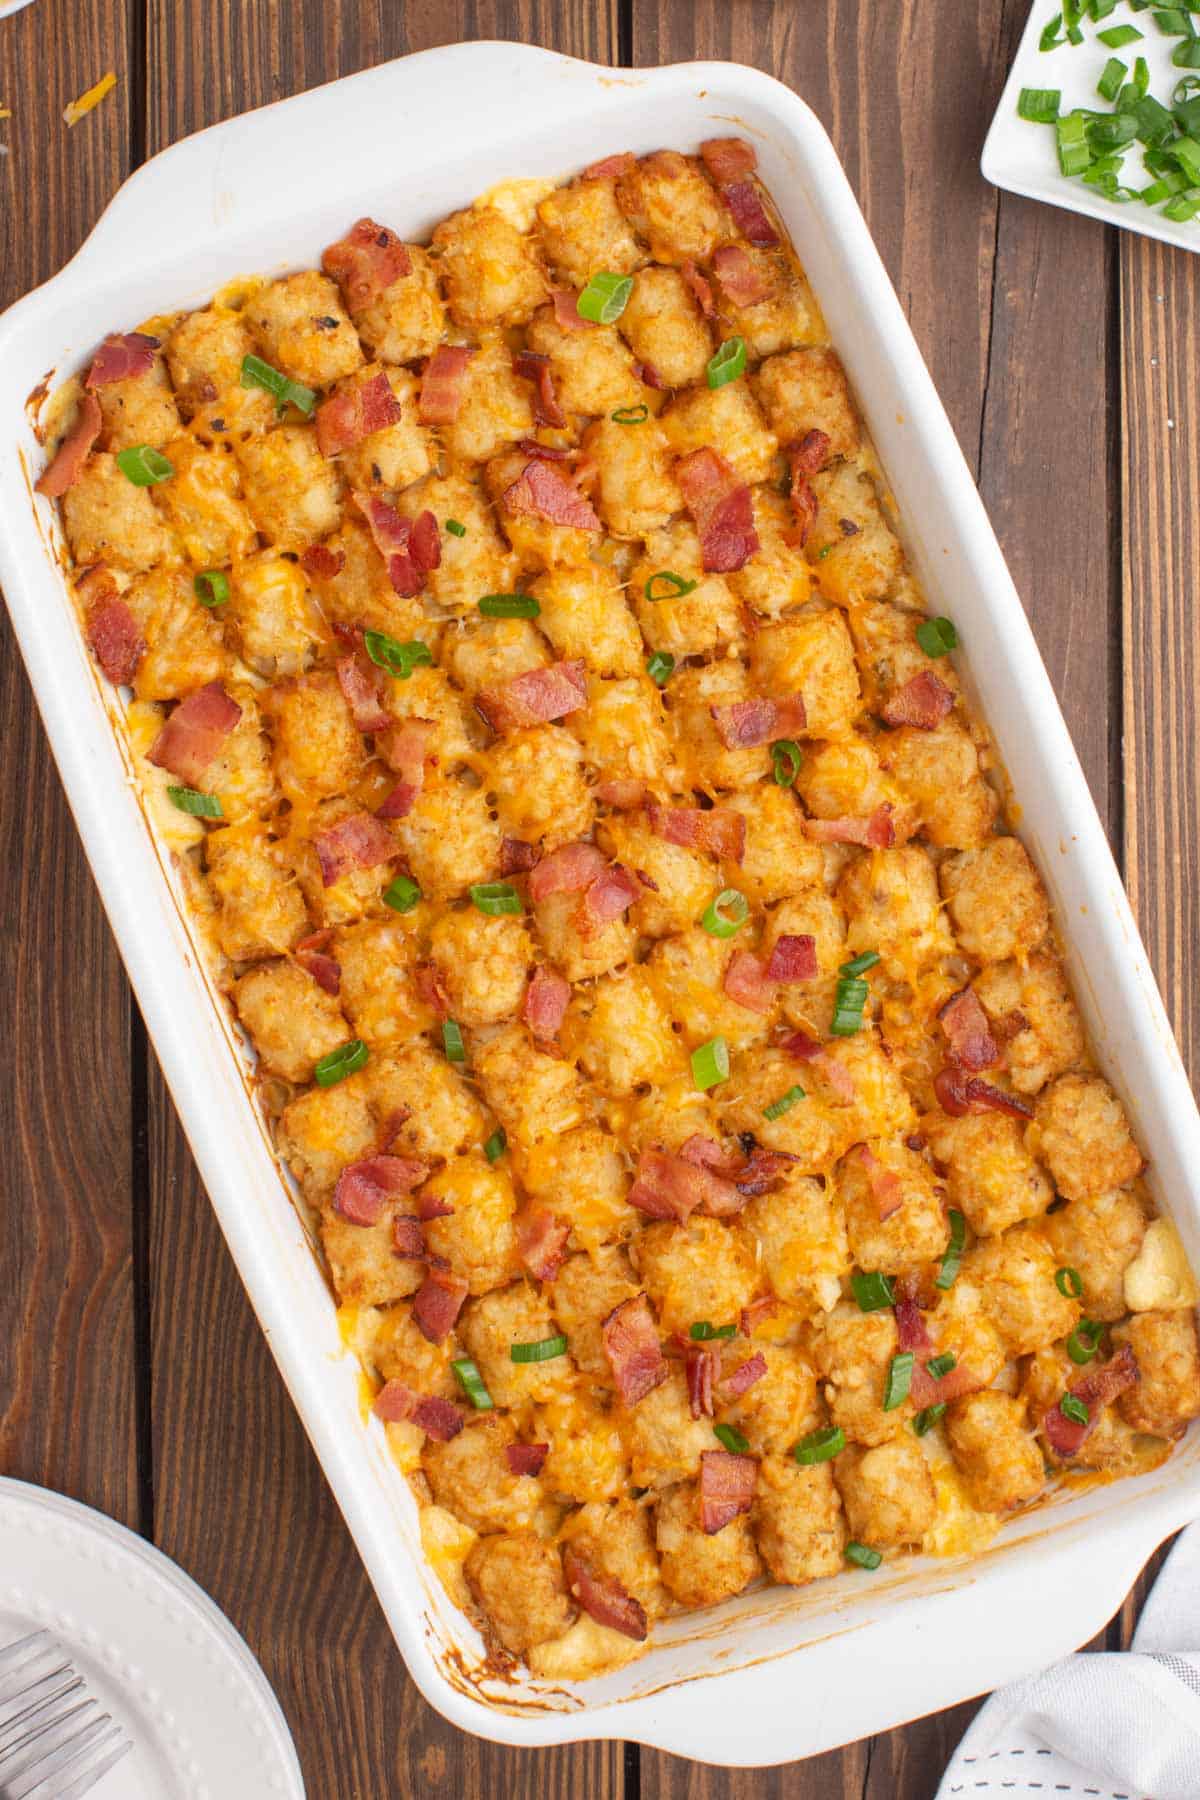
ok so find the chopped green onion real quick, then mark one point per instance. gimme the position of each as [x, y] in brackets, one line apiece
[784, 1104]
[398, 659]
[1069, 1283]
[728, 363]
[495, 897]
[1050, 40]
[452, 1041]
[860, 964]
[703, 1331]
[1186, 152]
[670, 586]
[1187, 114]
[942, 1365]
[1040, 105]
[1184, 207]
[899, 1380]
[726, 914]
[937, 636]
[471, 1382]
[1072, 13]
[732, 1439]
[1114, 132]
[604, 298]
[1155, 126]
[1084, 1341]
[1117, 36]
[873, 1291]
[1100, 9]
[211, 587]
[191, 800]
[402, 894]
[660, 667]
[785, 760]
[928, 1417]
[260, 374]
[1187, 54]
[509, 606]
[343, 1061]
[1112, 78]
[456, 528]
[1074, 153]
[496, 1145]
[849, 999]
[819, 1446]
[541, 1350]
[1072, 1407]
[630, 415]
[859, 1553]
[1172, 21]
[143, 465]
[1141, 78]
[948, 1273]
[710, 1063]
[824, 551]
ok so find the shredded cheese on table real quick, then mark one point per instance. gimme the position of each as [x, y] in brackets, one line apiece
[86, 103]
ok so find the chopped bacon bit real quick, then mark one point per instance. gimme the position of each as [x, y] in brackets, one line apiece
[399, 803]
[545, 492]
[746, 1374]
[442, 384]
[361, 689]
[516, 856]
[345, 419]
[357, 842]
[389, 1131]
[603, 1598]
[728, 159]
[809, 454]
[322, 563]
[542, 1241]
[121, 356]
[742, 283]
[545, 1002]
[727, 1484]
[794, 958]
[717, 829]
[437, 1304]
[910, 1328]
[526, 1459]
[195, 733]
[761, 1171]
[530, 365]
[535, 697]
[877, 832]
[364, 1188]
[428, 984]
[609, 167]
[959, 1094]
[747, 723]
[311, 954]
[404, 749]
[923, 701]
[702, 1364]
[425, 543]
[548, 452]
[1065, 1436]
[439, 1419]
[765, 1307]
[706, 1154]
[885, 1184]
[566, 311]
[605, 899]
[701, 288]
[621, 793]
[671, 1187]
[1010, 1026]
[408, 1239]
[366, 262]
[66, 465]
[750, 215]
[630, 1338]
[432, 1206]
[807, 458]
[649, 376]
[968, 1034]
[114, 636]
[408, 547]
[394, 1402]
[746, 982]
[925, 1389]
[803, 1047]
[567, 871]
[720, 504]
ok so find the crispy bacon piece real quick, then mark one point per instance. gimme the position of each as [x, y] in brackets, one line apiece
[718, 829]
[794, 958]
[750, 215]
[356, 842]
[345, 419]
[603, 1598]
[604, 900]
[195, 733]
[442, 384]
[807, 458]
[439, 1419]
[404, 748]
[750, 1317]
[325, 970]
[720, 505]
[649, 376]
[530, 365]
[727, 1484]
[924, 1389]
[702, 1365]
[747, 723]
[731, 162]
[809, 454]
[548, 452]
[923, 701]
[741, 282]
[706, 1153]
[746, 1374]
[803, 1047]
[968, 1033]
[428, 984]
[566, 311]
[1066, 1437]
[728, 159]
[609, 167]
[876, 832]
[361, 689]
[437, 1304]
[761, 1171]
[321, 562]
[409, 547]
[886, 1186]
[432, 1206]
[544, 491]
[113, 634]
[566, 871]
[672, 1187]
[366, 262]
[408, 1239]
[121, 355]
[959, 1094]
[364, 1188]
[526, 1459]
[701, 288]
[542, 1241]
[66, 465]
[535, 697]
[516, 856]
[630, 1338]
[910, 1328]
[747, 982]
[545, 1002]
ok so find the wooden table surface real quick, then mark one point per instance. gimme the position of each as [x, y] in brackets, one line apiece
[132, 1373]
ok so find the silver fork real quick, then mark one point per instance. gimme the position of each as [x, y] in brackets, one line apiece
[55, 1743]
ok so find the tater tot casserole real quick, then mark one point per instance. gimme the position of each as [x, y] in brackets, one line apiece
[664, 1027]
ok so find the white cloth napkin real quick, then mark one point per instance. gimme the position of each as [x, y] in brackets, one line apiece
[1114, 1726]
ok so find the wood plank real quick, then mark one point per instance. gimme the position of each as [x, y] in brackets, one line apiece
[240, 1500]
[67, 1382]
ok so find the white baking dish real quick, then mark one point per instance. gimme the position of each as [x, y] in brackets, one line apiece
[778, 1673]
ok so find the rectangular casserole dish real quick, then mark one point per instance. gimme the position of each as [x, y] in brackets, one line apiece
[262, 194]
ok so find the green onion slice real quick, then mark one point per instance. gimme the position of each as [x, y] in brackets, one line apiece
[785, 760]
[1117, 36]
[398, 659]
[1040, 105]
[1187, 54]
[496, 1145]
[191, 800]
[732, 1439]
[710, 1063]
[509, 606]
[211, 587]
[495, 897]
[1072, 1407]
[1183, 208]
[937, 637]
[669, 585]
[1069, 1283]
[819, 1446]
[402, 894]
[872, 1290]
[1074, 153]
[728, 363]
[928, 1417]
[143, 465]
[1050, 39]
[849, 999]
[1084, 1341]
[604, 298]
[703, 1331]
[1112, 78]
[726, 914]
[471, 1382]
[899, 1380]
[942, 1365]
[260, 374]
[1173, 21]
[860, 1554]
[542, 1350]
[630, 415]
[343, 1061]
[660, 667]
[452, 1041]
[948, 1273]
[860, 964]
[456, 528]
[784, 1104]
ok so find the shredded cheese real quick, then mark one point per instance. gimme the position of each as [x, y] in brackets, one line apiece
[86, 103]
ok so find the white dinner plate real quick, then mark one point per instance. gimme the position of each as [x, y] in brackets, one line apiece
[1023, 157]
[152, 1646]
